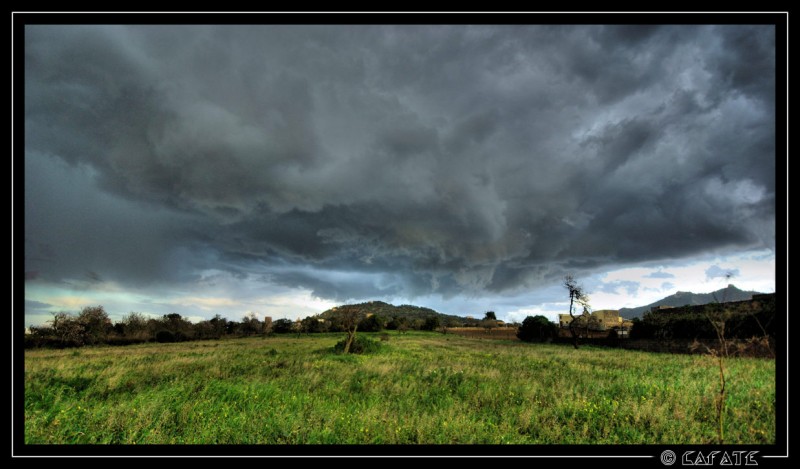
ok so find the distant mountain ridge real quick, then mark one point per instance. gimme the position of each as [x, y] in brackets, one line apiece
[681, 298]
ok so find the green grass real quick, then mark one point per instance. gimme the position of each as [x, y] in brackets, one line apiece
[421, 388]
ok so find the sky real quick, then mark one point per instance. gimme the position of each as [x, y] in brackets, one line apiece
[286, 169]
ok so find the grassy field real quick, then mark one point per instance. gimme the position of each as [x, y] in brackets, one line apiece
[501, 333]
[421, 388]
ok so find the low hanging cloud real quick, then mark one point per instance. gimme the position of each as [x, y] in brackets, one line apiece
[36, 306]
[629, 287]
[716, 271]
[363, 161]
[660, 274]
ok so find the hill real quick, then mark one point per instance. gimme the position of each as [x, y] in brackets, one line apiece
[682, 298]
[390, 311]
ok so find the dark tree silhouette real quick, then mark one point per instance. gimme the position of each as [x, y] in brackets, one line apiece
[537, 329]
[431, 323]
[576, 295]
[282, 326]
[251, 325]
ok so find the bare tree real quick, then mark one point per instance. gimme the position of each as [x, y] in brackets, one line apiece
[67, 329]
[576, 296]
[718, 316]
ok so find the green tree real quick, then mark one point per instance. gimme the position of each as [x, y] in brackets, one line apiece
[417, 324]
[372, 323]
[490, 316]
[218, 325]
[314, 324]
[203, 330]
[282, 326]
[134, 327]
[398, 323]
[251, 325]
[537, 329]
[96, 324]
[431, 323]
[180, 328]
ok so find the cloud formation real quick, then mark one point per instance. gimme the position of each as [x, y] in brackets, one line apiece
[716, 271]
[373, 161]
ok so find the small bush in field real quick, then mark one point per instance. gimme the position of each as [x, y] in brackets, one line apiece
[360, 345]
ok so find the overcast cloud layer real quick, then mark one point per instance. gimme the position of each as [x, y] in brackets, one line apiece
[371, 162]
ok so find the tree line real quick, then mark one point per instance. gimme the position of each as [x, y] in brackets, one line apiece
[92, 326]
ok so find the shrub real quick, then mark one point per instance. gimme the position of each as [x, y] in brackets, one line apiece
[163, 336]
[360, 345]
[123, 340]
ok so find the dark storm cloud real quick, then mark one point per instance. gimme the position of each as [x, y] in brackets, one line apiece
[75, 233]
[340, 286]
[393, 160]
